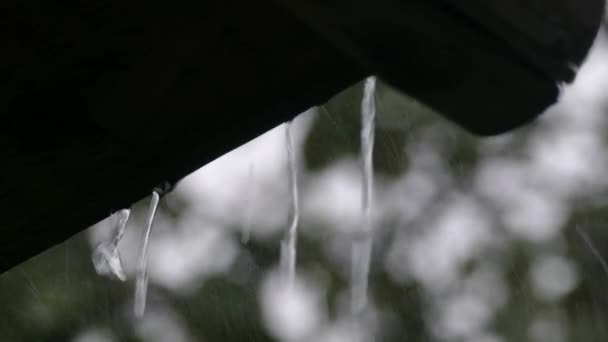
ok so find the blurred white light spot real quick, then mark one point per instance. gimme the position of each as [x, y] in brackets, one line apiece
[179, 261]
[553, 277]
[345, 331]
[487, 283]
[546, 329]
[535, 216]
[454, 236]
[409, 196]
[462, 316]
[161, 326]
[528, 210]
[568, 161]
[334, 198]
[291, 311]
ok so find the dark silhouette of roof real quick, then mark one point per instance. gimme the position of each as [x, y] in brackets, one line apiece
[101, 102]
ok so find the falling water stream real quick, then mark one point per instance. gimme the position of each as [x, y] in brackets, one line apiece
[105, 257]
[141, 283]
[594, 251]
[289, 243]
[362, 243]
[107, 261]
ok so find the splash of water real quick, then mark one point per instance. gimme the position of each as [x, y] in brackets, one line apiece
[106, 258]
[288, 245]
[141, 283]
[362, 244]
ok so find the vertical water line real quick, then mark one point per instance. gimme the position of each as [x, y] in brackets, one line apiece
[289, 243]
[141, 284]
[363, 239]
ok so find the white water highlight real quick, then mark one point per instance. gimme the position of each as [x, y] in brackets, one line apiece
[141, 283]
[363, 240]
[289, 243]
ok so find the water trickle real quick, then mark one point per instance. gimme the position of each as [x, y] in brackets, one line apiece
[141, 283]
[106, 258]
[362, 244]
[594, 251]
[288, 245]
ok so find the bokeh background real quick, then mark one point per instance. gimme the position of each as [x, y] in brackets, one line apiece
[478, 240]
